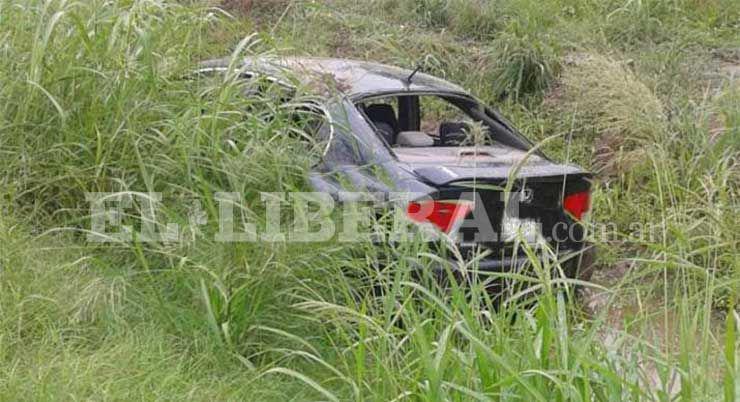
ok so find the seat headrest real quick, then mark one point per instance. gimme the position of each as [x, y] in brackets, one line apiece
[383, 113]
[414, 139]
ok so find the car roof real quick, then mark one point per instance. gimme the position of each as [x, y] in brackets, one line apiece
[354, 78]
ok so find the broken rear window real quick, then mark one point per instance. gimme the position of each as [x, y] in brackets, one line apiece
[430, 120]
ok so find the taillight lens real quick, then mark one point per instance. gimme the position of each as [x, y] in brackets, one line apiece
[577, 203]
[445, 215]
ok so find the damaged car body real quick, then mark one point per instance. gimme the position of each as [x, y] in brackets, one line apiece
[390, 130]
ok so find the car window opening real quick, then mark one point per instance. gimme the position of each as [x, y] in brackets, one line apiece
[432, 120]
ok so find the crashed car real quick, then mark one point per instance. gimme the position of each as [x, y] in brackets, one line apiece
[479, 181]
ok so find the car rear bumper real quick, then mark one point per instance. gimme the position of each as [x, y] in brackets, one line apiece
[575, 264]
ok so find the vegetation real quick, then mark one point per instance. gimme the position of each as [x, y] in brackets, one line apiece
[93, 100]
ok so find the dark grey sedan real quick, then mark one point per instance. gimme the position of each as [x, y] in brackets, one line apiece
[476, 179]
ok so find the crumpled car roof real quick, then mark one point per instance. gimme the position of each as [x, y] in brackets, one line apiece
[354, 78]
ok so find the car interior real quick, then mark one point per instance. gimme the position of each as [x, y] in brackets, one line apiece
[425, 121]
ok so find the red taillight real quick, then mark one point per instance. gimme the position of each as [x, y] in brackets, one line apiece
[577, 203]
[442, 214]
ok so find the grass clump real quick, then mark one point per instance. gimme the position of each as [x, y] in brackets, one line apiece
[612, 100]
[610, 107]
[475, 19]
[524, 55]
[522, 64]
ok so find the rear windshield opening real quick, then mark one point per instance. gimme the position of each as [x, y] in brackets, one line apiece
[432, 120]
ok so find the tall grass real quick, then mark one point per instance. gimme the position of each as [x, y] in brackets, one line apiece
[93, 99]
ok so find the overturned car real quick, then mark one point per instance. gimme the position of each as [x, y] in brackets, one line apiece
[473, 177]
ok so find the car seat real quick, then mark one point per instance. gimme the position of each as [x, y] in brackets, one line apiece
[384, 118]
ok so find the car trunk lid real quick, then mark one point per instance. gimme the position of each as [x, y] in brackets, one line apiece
[443, 165]
[481, 174]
